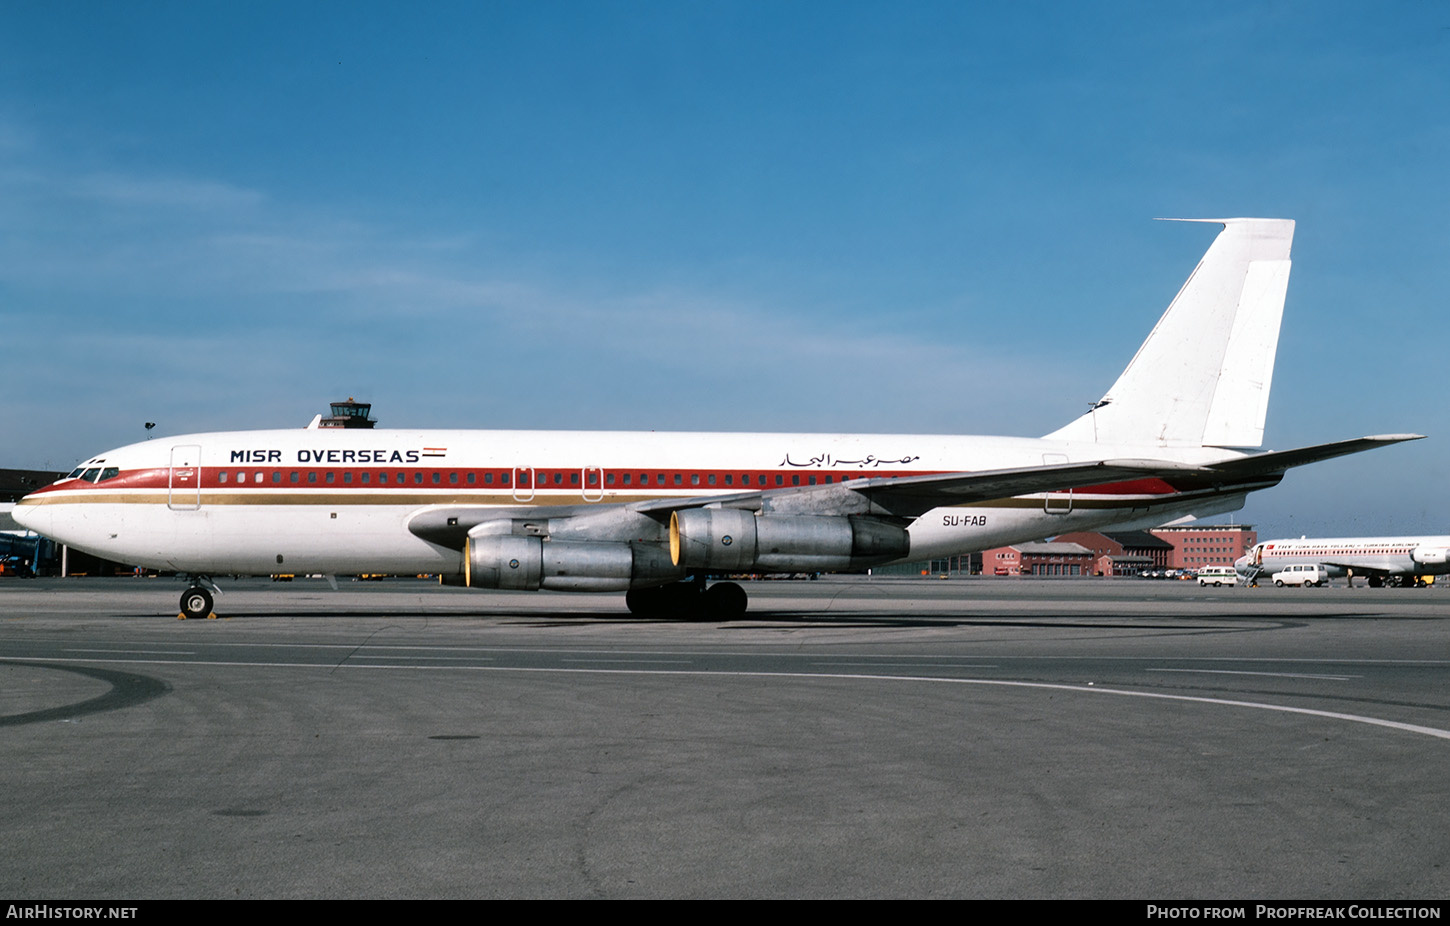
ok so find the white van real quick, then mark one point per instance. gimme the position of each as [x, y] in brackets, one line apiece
[1307, 576]
[1217, 575]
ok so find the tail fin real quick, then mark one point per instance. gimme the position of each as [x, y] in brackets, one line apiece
[1202, 378]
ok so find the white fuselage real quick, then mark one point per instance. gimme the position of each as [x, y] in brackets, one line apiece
[1390, 556]
[340, 500]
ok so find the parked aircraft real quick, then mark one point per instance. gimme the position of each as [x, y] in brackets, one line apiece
[1382, 560]
[659, 514]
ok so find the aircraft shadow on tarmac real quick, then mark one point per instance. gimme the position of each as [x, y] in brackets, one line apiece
[864, 619]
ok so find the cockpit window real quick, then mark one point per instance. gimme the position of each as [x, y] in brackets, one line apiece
[110, 472]
[76, 472]
[91, 475]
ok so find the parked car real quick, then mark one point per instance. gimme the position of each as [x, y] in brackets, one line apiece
[1305, 575]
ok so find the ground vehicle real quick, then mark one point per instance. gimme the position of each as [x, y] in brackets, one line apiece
[1304, 574]
[1217, 576]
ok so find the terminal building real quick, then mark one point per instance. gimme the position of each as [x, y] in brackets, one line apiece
[1123, 553]
[1039, 558]
[1199, 545]
[23, 553]
[1094, 553]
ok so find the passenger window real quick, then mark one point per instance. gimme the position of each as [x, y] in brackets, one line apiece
[295, 477]
[221, 477]
[347, 476]
[331, 478]
[367, 478]
[257, 478]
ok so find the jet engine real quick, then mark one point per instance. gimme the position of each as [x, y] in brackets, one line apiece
[734, 540]
[1430, 556]
[526, 563]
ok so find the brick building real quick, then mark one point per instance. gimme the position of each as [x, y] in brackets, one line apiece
[1038, 559]
[1123, 553]
[1198, 545]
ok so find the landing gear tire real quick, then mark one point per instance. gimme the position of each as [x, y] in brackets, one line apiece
[726, 601]
[1376, 582]
[661, 602]
[196, 602]
[688, 601]
[644, 602]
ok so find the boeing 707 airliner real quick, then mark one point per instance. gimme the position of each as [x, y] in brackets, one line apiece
[1404, 560]
[661, 515]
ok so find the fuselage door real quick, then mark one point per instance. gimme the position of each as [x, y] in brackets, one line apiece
[183, 483]
[593, 487]
[1056, 502]
[523, 483]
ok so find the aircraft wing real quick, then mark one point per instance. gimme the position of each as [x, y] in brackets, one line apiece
[902, 497]
[1361, 569]
[907, 497]
[911, 496]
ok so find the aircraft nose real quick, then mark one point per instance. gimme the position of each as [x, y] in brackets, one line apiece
[1241, 565]
[31, 517]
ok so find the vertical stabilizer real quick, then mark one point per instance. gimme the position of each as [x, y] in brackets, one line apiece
[1202, 378]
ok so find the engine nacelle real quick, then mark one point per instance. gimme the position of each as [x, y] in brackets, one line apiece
[510, 561]
[1430, 556]
[732, 540]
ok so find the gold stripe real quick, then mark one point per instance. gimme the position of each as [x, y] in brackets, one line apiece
[187, 501]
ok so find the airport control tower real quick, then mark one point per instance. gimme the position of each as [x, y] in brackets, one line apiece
[349, 414]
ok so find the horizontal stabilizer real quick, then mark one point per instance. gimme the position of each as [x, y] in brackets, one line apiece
[1278, 461]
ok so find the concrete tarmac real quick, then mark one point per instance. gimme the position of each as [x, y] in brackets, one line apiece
[848, 738]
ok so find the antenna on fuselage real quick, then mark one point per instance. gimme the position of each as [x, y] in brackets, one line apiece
[149, 426]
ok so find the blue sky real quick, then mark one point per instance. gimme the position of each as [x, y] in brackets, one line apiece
[737, 216]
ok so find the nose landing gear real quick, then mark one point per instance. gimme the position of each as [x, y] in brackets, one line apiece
[198, 600]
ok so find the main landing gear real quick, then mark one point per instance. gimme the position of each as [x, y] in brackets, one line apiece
[197, 601]
[691, 601]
